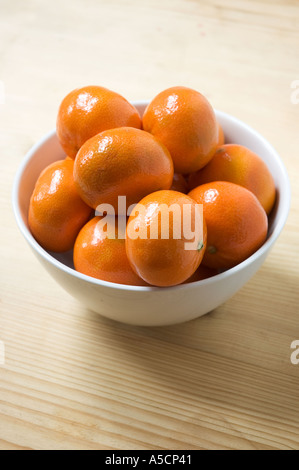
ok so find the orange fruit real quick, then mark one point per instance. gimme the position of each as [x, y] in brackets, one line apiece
[184, 121]
[121, 162]
[179, 183]
[86, 111]
[101, 257]
[237, 223]
[164, 260]
[56, 211]
[239, 165]
[221, 138]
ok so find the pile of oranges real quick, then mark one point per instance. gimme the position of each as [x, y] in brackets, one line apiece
[174, 156]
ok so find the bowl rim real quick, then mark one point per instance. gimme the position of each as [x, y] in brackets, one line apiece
[98, 282]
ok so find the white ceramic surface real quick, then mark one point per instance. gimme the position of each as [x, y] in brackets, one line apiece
[151, 306]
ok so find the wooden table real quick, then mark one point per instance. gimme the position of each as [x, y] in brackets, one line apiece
[73, 379]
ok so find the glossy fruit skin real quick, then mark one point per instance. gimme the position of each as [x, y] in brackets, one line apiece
[163, 262]
[121, 162]
[56, 211]
[179, 184]
[103, 258]
[86, 111]
[237, 223]
[185, 122]
[237, 164]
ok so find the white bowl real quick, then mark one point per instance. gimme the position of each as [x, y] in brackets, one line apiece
[151, 306]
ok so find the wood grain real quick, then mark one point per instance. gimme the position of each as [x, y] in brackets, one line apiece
[74, 380]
